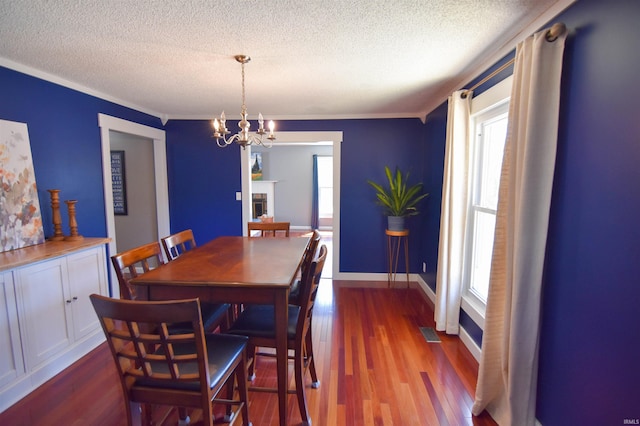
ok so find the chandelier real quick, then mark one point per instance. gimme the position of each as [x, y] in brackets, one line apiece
[243, 137]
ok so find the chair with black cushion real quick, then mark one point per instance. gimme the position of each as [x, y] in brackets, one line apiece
[294, 293]
[130, 263]
[182, 369]
[273, 229]
[257, 322]
[176, 244]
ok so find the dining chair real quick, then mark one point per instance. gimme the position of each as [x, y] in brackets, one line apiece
[176, 244]
[274, 229]
[307, 257]
[131, 263]
[182, 369]
[257, 323]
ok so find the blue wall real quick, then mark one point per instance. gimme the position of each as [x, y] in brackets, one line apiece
[204, 178]
[65, 144]
[589, 370]
[590, 344]
[203, 181]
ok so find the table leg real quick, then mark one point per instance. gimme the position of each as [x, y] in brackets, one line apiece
[282, 313]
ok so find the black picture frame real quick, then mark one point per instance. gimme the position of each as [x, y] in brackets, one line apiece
[119, 183]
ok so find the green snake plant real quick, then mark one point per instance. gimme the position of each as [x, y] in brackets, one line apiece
[398, 199]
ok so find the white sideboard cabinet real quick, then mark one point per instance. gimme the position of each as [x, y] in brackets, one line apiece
[47, 322]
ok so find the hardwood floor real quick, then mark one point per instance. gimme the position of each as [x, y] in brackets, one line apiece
[374, 364]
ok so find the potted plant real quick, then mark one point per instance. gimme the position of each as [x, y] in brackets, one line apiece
[398, 200]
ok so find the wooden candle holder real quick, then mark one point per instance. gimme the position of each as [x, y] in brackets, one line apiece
[73, 225]
[57, 219]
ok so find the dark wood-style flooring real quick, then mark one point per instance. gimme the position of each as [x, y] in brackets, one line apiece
[374, 365]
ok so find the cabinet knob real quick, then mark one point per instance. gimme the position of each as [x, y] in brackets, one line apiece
[75, 297]
[68, 301]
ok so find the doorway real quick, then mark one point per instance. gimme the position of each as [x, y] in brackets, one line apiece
[325, 138]
[109, 124]
[135, 220]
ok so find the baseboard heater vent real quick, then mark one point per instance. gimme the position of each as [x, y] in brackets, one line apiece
[430, 335]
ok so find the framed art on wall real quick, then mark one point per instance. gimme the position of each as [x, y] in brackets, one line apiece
[118, 183]
[256, 166]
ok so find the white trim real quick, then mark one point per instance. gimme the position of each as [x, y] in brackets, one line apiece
[72, 85]
[491, 98]
[475, 311]
[4, 62]
[466, 339]
[426, 289]
[108, 123]
[470, 344]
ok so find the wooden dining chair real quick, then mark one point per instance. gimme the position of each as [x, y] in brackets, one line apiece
[307, 257]
[182, 369]
[131, 263]
[257, 322]
[176, 244]
[274, 229]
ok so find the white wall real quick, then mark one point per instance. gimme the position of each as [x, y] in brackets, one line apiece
[292, 167]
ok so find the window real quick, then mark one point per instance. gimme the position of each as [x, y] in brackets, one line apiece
[489, 119]
[325, 187]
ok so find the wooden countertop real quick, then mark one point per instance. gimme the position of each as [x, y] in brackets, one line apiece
[49, 249]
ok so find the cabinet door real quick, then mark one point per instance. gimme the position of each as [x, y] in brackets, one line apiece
[87, 275]
[11, 362]
[42, 296]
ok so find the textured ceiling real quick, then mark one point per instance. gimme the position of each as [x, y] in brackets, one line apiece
[310, 58]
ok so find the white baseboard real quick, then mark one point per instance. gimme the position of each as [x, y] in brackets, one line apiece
[426, 289]
[464, 336]
[380, 280]
[470, 344]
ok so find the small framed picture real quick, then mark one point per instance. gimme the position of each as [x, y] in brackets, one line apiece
[256, 166]
[118, 183]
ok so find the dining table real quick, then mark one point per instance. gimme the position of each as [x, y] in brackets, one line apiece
[237, 270]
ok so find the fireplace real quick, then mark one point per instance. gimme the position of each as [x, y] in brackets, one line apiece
[258, 204]
[263, 198]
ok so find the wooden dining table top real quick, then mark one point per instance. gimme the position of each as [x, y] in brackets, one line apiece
[233, 261]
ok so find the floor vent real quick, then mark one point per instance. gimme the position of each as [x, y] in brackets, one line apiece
[430, 335]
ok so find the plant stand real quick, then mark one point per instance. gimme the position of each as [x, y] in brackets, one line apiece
[394, 241]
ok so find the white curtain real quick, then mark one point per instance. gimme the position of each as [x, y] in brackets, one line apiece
[453, 215]
[507, 377]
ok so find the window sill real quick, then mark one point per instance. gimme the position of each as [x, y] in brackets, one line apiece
[474, 309]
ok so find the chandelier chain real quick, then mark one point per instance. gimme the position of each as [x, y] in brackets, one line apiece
[244, 108]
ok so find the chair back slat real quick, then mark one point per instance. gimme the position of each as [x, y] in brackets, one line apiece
[145, 348]
[162, 365]
[310, 282]
[176, 244]
[273, 229]
[131, 263]
[310, 251]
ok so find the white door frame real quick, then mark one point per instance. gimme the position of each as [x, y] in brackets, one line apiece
[305, 138]
[108, 123]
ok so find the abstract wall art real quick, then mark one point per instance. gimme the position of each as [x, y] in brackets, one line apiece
[20, 217]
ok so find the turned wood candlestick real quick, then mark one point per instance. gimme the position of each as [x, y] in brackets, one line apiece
[57, 219]
[73, 225]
